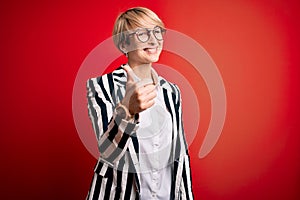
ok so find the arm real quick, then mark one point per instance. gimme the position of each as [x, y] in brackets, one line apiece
[112, 132]
[186, 183]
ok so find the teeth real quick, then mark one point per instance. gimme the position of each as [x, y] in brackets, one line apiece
[150, 50]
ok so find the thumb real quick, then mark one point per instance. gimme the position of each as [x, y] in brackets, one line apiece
[130, 74]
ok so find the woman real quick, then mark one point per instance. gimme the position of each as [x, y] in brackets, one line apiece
[137, 118]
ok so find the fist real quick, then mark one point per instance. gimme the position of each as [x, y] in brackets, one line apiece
[139, 95]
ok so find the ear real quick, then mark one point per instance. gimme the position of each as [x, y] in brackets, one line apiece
[123, 47]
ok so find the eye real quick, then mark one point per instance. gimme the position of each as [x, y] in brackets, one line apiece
[157, 31]
[142, 33]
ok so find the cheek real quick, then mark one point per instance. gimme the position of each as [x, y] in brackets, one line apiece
[136, 54]
[135, 45]
[160, 44]
[132, 47]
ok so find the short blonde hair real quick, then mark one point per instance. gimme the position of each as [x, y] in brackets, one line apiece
[130, 19]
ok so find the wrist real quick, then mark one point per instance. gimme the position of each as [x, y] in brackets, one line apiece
[123, 112]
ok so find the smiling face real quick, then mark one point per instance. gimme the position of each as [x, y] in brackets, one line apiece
[144, 45]
[136, 33]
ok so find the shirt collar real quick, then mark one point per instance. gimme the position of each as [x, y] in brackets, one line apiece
[121, 78]
[154, 75]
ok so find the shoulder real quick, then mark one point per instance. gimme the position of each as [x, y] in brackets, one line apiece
[116, 75]
[170, 86]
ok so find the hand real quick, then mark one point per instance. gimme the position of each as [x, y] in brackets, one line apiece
[139, 95]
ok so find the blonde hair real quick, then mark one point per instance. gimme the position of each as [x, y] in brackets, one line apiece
[130, 19]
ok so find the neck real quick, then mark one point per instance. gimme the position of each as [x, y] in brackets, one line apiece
[142, 71]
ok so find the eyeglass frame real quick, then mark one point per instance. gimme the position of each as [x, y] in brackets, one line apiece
[163, 32]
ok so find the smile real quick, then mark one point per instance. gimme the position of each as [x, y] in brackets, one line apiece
[151, 50]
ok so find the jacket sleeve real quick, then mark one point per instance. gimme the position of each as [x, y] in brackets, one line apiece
[113, 133]
[186, 190]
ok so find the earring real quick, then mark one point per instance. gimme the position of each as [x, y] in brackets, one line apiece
[126, 54]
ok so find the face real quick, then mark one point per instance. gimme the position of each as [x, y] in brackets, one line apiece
[145, 45]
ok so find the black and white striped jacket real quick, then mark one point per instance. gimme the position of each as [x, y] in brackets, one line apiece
[117, 171]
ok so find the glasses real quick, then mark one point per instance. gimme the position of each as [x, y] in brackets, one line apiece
[143, 34]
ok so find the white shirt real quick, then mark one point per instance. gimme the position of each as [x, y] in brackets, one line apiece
[155, 138]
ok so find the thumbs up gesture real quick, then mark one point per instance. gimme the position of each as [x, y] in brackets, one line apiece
[140, 94]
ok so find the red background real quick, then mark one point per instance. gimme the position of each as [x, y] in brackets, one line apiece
[255, 45]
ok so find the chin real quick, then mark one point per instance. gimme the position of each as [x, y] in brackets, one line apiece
[153, 60]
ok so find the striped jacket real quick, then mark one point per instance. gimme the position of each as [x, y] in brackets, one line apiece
[116, 174]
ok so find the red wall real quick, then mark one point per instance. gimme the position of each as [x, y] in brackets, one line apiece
[255, 45]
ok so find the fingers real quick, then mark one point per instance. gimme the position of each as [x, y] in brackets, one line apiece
[131, 78]
[140, 94]
[142, 98]
[146, 96]
[144, 82]
[142, 103]
[138, 84]
[147, 104]
[146, 90]
[149, 98]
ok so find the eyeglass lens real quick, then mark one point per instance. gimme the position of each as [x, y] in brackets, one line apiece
[144, 34]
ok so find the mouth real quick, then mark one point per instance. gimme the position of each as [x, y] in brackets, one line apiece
[151, 50]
